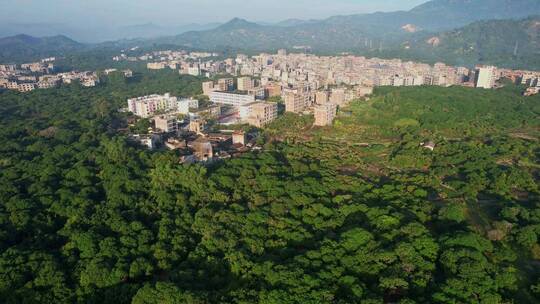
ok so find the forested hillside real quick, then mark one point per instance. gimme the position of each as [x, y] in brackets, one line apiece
[354, 213]
[505, 43]
[21, 48]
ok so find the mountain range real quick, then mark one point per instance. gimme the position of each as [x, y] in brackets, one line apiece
[21, 47]
[355, 32]
[94, 34]
[454, 31]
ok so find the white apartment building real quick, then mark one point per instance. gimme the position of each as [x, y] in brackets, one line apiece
[232, 99]
[146, 106]
[486, 77]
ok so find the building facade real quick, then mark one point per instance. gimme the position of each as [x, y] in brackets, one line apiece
[262, 113]
[166, 123]
[325, 114]
[486, 77]
[232, 99]
[294, 102]
[146, 106]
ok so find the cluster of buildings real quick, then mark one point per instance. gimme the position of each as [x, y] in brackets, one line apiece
[40, 75]
[180, 124]
[320, 71]
[316, 84]
[187, 63]
[244, 101]
[529, 79]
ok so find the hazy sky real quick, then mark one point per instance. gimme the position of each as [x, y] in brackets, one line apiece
[171, 12]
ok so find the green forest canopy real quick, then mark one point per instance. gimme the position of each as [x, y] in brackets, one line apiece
[357, 212]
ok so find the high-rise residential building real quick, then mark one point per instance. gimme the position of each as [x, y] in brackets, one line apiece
[282, 52]
[245, 83]
[325, 114]
[230, 98]
[262, 113]
[166, 123]
[146, 106]
[225, 84]
[486, 77]
[295, 102]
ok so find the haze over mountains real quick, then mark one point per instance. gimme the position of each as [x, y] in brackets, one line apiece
[99, 33]
[450, 30]
[18, 47]
[364, 31]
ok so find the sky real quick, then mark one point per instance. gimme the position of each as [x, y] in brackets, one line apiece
[175, 12]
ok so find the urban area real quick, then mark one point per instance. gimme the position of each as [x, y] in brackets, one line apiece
[255, 90]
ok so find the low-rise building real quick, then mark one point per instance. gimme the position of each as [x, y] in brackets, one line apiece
[364, 91]
[239, 138]
[47, 83]
[202, 149]
[151, 141]
[155, 65]
[26, 87]
[196, 126]
[166, 123]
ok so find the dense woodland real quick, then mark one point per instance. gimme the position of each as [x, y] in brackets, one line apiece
[354, 213]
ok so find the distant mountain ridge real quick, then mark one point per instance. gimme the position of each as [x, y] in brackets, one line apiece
[21, 47]
[428, 32]
[362, 31]
[506, 43]
[98, 33]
